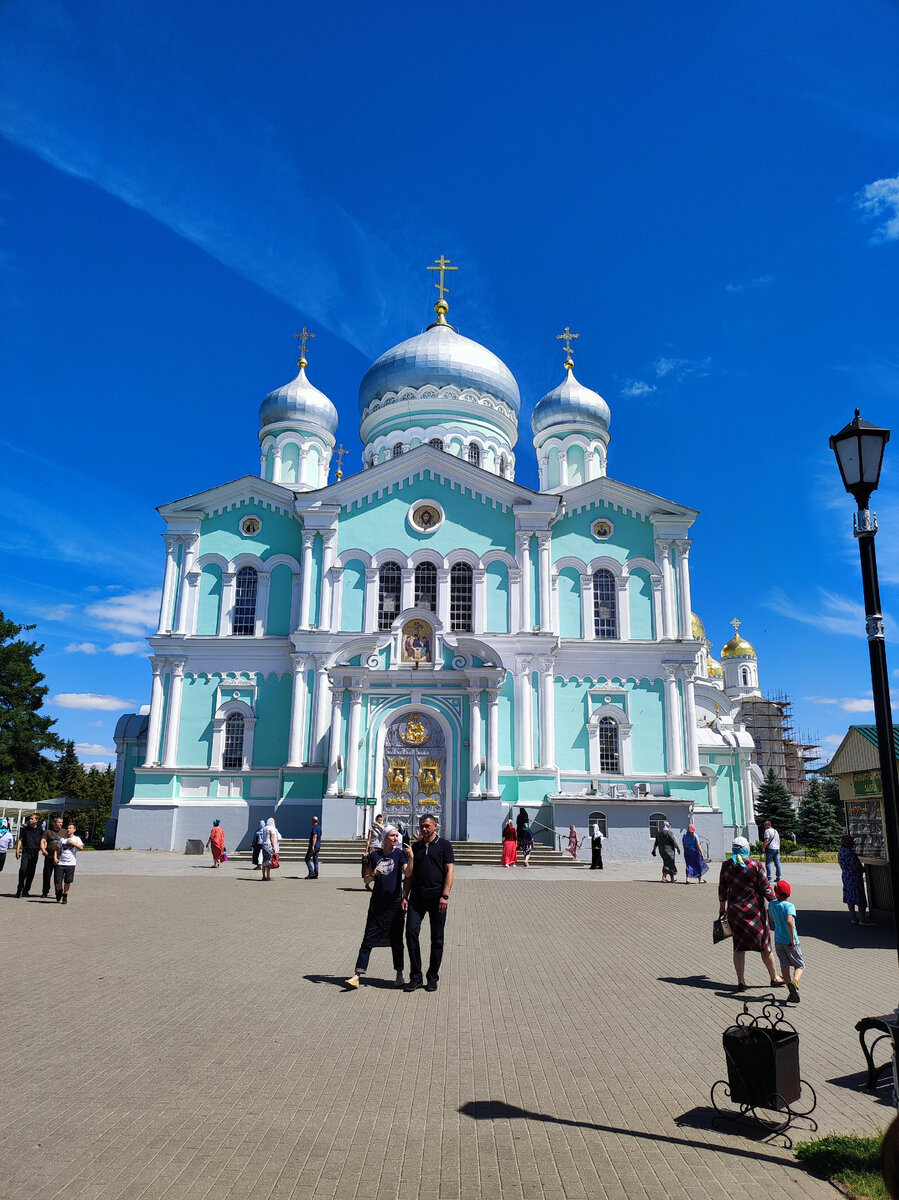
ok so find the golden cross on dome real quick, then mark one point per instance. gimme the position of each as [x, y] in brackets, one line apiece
[340, 452]
[736, 624]
[442, 264]
[303, 338]
[568, 348]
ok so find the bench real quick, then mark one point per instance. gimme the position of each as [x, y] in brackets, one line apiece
[884, 1028]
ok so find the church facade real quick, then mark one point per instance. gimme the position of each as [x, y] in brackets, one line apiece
[429, 635]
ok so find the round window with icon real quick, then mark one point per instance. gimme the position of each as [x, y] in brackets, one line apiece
[602, 529]
[250, 526]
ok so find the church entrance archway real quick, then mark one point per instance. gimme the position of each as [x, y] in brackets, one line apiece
[414, 770]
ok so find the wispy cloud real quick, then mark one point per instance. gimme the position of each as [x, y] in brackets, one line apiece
[134, 613]
[832, 739]
[82, 648]
[638, 387]
[880, 202]
[91, 748]
[750, 285]
[680, 368]
[834, 613]
[852, 704]
[90, 702]
[120, 649]
[54, 612]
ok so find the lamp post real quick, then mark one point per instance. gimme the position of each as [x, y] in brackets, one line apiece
[859, 451]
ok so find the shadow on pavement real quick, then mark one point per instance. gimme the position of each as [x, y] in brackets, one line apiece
[700, 1117]
[836, 929]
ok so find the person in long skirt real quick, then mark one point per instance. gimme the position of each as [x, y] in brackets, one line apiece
[596, 848]
[216, 841]
[743, 890]
[510, 844]
[573, 842]
[853, 882]
[666, 845]
[388, 868]
[271, 841]
[693, 861]
[526, 843]
[257, 845]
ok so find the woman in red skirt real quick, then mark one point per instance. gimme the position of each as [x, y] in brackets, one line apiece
[743, 889]
[510, 844]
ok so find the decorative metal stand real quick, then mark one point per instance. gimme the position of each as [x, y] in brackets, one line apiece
[763, 1083]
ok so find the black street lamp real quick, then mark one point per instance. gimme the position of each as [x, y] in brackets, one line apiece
[859, 450]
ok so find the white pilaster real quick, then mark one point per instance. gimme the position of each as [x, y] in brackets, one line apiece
[336, 616]
[352, 747]
[474, 742]
[523, 554]
[227, 604]
[672, 724]
[588, 620]
[193, 601]
[167, 604]
[336, 732]
[514, 598]
[306, 580]
[623, 606]
[544, 539]
[276, 464]
[547, 714]
[297, 711]
[443, 595]
[327, 581]
[303, 468]
[746, 786]
[524, 714]
[657, 619]
[563, 467]
[188, 561]
[685, 604]
[370, 619]
[692, 739]
[407, 588]
[173, 714]
[663, 558]
[493, 742]
[322, 688]
[264, 587]
[479, 600]
[155, 721]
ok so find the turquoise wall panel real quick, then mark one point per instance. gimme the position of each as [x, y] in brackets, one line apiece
[279, 599]
[632, 537]
[645, 706]
[271, 741]
[569, 591]
[497, 598]
[209, 599]
[577, 471]
[290, 463]
[572, 749]
[353, 597]
[640, 596]
[506, 710]
[197, 711]
[220, 534]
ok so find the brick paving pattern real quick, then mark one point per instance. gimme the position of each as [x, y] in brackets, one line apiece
[180, 1033]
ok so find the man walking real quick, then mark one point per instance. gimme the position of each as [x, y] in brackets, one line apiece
[28, 849]
[49, 844]
[771, 839]
[427, 890]
[67, 849]
[315, 841]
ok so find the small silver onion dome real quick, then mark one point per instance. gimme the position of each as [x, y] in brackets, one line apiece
[441, 357]
[301, 402]
[570, 404]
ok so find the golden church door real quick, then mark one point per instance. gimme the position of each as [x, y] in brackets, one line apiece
[414, 778]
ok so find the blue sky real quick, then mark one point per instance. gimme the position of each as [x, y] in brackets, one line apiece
[708, 193]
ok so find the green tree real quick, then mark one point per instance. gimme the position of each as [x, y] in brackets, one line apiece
[774, 804]
[24, 731]
[830, 788]
[818, 827]
[69, 773]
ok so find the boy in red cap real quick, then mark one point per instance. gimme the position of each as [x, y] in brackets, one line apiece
[782, 913]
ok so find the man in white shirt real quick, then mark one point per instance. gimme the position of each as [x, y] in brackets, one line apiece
[66, 858]
[771, 839]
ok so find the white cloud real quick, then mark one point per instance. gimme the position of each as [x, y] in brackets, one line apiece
[750, 285]
[638, 387]
[880, 200]
[81, 648]
[92, 748]
[91, 701]
[832, 739]
[134, 612]
[836, 614]
[121, 648]
[850, 704]
[56, 612]
[681, 368]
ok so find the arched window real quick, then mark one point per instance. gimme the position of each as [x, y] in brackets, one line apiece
[461, 577]
[598, 819]
[474, 455]
[605, 617]
[437, 443]
[656, 821]
[502, 466]
[426, 586]
[232, 754]
[609, 748]
[390, 581]
[744, 677]
[397, 449]
[243, 620]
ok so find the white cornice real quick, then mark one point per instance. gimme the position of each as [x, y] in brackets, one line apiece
[628, 499]
[245, 490]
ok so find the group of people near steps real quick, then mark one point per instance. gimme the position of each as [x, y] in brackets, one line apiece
[58, 845]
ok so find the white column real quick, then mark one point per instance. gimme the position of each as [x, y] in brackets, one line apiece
[262, 461]
[663, 557]
[336, 615]
[524, 713]
[672, 724]
[297, 711]
[264, 582]
[544, 539]
[563, 467]
[188, 559]
[166, 619]
[352, 746]
[623, 597]
[370, 618]
[227, 602]
[657, 618]
[687, 674]
[173, 715]
[554, 592]
[407, 589]
[514, 598]
[523, 554]
[327, 581]
[306, 580]
[479, 600]
[303, 467]
[547, 714]
[588, 620]
[192, 602]
[153, 725]
[322, 687]
[685, 604]
[493, 742]
[276, 465]
[746, 785]
[474, 742]
[591, 461]
[443, 596]
[336, 731]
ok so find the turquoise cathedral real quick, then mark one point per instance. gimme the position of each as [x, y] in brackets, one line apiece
[430, 635]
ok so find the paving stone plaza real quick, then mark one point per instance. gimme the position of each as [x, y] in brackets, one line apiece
[182, 1033]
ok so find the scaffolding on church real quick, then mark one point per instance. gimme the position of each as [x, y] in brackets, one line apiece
[770, 724]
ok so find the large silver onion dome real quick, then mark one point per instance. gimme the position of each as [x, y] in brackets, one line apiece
[440, 356]
[299, 401]
[571, 404]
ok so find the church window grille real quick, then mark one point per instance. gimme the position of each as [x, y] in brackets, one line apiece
[605, 617]
[246, 585]
[397, 449]
[232, 755]
[474, 455]
[502, 466]
[609, 751]
[426, 586]
[461, 578]
[437, 443]
[656, 821]
[598, 819]
[390, 582]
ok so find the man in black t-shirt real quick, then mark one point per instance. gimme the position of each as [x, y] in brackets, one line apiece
[427, 890]
[315, 841]
[28, 849]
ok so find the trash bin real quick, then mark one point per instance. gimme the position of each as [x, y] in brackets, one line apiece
[762, 1066]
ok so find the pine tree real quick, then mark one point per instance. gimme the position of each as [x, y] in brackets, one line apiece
[774, 804]
[24, 732]
[69, 774]
[818, 827]
[830, 788]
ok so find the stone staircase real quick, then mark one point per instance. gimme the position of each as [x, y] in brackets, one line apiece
[349, 850]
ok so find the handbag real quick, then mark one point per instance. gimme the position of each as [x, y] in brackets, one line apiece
[224, 855]
[721, 929]
[276, 861]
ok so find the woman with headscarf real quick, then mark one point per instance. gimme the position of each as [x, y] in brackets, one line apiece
[271, 840]
[525, 843]
[743, 889]
[389, 866]
[510, 844]
[257, 845]
[521, 823]
[693, 861]
[596, 842]
[853, 882]
[573, 842]
[216, 840]
[666, 845]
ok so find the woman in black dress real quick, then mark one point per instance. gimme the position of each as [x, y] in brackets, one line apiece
[387, 869]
